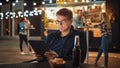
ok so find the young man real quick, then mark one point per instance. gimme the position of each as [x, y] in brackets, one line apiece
[61, 42]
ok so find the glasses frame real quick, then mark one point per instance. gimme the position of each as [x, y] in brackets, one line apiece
[64, 21]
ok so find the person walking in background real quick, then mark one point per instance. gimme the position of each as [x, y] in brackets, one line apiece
[78, 21]
[24, 26]
[105, 27]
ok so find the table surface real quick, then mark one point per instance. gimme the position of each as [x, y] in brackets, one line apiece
[35, 65]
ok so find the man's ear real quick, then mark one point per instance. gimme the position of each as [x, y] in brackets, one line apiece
[71, 22]
[72, 19]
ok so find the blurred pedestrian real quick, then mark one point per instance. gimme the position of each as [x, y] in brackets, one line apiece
[24, 26]
[105, 27]
[78, 21]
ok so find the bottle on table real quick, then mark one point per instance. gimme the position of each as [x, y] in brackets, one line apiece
[76, 54]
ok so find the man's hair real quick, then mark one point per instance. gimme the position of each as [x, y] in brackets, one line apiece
[65, 12]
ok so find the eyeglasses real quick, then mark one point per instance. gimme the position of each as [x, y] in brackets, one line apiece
[62, 22]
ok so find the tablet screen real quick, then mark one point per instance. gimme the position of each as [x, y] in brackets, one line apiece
[39, 46]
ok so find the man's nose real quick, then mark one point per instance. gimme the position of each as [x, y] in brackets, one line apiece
[60, 23]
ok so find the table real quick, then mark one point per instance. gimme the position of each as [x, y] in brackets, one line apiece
[36, 65]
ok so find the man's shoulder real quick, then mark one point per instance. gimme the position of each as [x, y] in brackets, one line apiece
[78, 31]
[53, 33]
[81, 34]
[52, 36]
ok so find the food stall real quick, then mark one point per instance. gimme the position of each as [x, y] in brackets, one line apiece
[91, 11]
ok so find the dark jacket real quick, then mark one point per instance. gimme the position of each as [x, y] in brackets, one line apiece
[64, 45]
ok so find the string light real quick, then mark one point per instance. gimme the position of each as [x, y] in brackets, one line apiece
[83, 0]
[25, 4]
[65, 2]
[7, 0]
[0, 3]
[18, 14]
[40, 11]
[86, 8]
[76, 0]
[87, 0]
[6, 17]
[34, 3]
[13, 4]
[35, 11]
[50, 1]
[1, 15]
[43, 2]
[26, 13]
[16, 1]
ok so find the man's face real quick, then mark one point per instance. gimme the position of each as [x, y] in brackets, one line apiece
[64, 23]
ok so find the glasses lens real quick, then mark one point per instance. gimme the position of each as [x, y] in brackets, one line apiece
[61, 22]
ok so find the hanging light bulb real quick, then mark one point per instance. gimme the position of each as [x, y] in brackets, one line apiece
[13, 4]
[16, 1]
[7, 14]
[35, 11]
[76, 0]
[93, 6]
[85, 8]
[31, 13]
[40, 11]
[0, 3]
[1, 18]
[7, 0]
[16, 16]
[26, 13]
[50, 1]
[43, 2]
[11, 17]
[87, 0]
[65, 2]
[19, 13]
[6, 17]
[13, 14]
[1, 15]
[25, 4]
[83, 0]
[21, 16]
[34, 3]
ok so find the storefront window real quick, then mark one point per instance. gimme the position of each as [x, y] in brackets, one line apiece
[91, 14]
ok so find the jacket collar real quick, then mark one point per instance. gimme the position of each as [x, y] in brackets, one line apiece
[58, 33]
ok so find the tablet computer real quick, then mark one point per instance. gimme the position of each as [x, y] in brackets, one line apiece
[39, 46]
